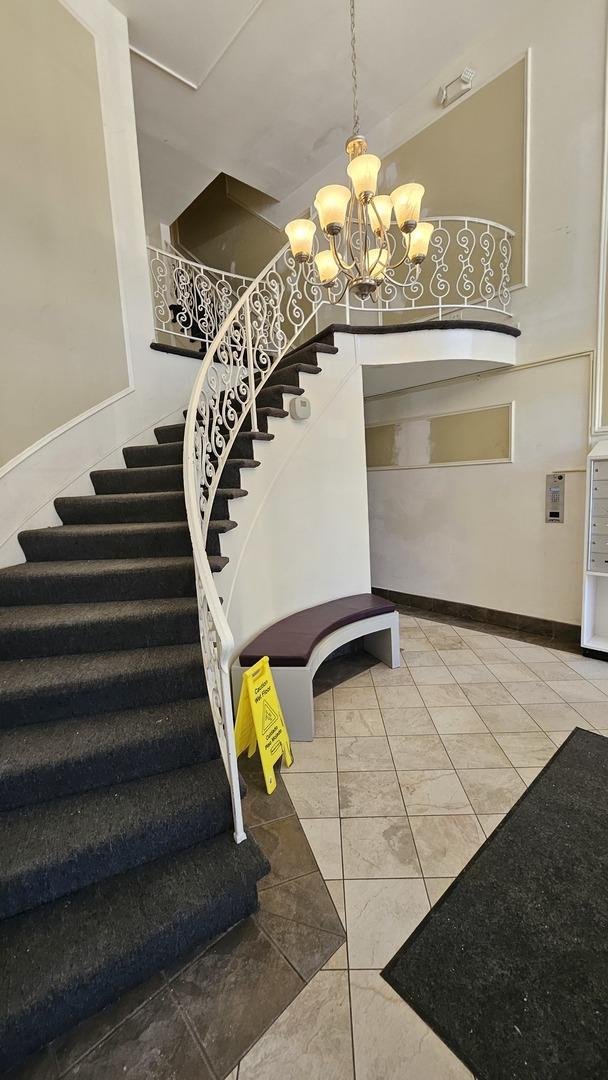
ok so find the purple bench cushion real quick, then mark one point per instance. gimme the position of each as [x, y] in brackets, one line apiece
[290, 642]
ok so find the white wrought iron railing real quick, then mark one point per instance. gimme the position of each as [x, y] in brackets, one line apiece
[256, 323]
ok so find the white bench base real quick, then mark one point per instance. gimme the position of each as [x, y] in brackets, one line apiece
[380, 635]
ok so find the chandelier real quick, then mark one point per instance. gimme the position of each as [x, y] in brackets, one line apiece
[357, 222]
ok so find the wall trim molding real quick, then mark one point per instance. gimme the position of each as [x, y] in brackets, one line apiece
[598, 373]
[524, 624]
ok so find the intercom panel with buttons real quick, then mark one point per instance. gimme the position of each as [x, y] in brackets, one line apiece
[555, 484]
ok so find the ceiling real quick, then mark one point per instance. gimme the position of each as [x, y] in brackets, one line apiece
[260, 89]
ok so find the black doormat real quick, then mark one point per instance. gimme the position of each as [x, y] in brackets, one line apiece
[510, 968]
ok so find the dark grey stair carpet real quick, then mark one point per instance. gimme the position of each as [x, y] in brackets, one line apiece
[54, 848]
[124, 541]
[52, 630]
[56, 687]
[155, 478]
[141, 457]
[71, 957]
[96, 580]
[510, 967]
[39, 762]
[129, 507]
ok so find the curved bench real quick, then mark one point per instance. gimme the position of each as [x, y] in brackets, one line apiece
[298, 645]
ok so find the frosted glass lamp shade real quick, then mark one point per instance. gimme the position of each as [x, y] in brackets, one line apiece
[382, 209]
[331, 205]
[406, 201]
[363, 171]
[327, 267]
[419, 241]
[300, 233]
[377, 259]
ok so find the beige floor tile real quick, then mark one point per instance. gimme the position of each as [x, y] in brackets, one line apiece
[488, 694]
[601, 684]
[445, 844]
[419, 752]
[459, 655]
[524, 750]
[556, 717]
[391, 1042]
[363, 752]
[335, 888]
[565, 655]
[456, 719]
[359, 722]
[492, 791]
[472, 673]
[312, 1038]
[339, 961]
[324, 724]
[324, 700]
[422, 659]
[357, 697]
[526, 652]
[323, 835]
[489, 822]
[407, 620]
[476, 638]
[386, 676]
[316, 756]
[588, 668]
[370, 794]
[425, 676]
[512, 672]
[436, 886]
[528, 774]
[398, 697]
[581, 690]
[498, 655]
[596, 712]
[532, 693]
[380, 915]
[312, 794]
[474, 751]
[408, 721]
[415, 642]
[558, 737]
[433, 791]
[378, 847]
[553, 670]
[443, 695]
[507, 718]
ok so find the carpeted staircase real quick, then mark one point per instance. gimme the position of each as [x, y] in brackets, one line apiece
[116, 846]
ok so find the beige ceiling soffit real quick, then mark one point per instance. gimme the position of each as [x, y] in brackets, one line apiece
[182, 78]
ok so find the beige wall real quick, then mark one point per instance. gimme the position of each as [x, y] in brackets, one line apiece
[224, 233]
[63, 345]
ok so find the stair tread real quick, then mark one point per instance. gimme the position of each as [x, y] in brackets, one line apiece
[53, 848]
[77, 508]
[143, 920]
[153, 478]
[262, 436]
[42, 761]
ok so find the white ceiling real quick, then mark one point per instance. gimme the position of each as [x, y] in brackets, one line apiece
[270, 100]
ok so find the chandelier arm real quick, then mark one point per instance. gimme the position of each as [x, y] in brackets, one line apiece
[404, 258]
[344, 266]
[349, 232]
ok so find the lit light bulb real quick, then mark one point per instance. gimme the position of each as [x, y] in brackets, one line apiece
[300, 233]
[327, 267]
[406, 201]
[380, 214]
[331, 205]
[419, 241]
[363, 171]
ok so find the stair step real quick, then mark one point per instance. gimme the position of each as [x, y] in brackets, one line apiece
[131, 507]
[52, 687]
[222, 500]
[244, 444]
[216, 529]
[170, 433]
[106, 541]
[231, 473]
[290, 375]
[139, 457]
[156, 478]
[48, 761]
[58, 847]
[54, 630]
[91, 580]
[70, 958]
[309, 349]
[273, 395]
[263, 414]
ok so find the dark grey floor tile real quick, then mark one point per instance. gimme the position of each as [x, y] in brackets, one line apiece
[258, 806]
[306, 947]
[74, 1044]
[305, 900]
[154, 1044]
[41, 1066]
[285, 845]
[235, 991]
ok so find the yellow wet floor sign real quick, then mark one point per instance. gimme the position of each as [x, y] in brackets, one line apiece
[260, 722]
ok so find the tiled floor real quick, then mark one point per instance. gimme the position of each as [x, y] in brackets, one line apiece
[409, 773]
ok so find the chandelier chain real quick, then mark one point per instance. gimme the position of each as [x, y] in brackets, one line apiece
[353, 49]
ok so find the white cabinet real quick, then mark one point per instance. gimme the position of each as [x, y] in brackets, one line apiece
[594, 633]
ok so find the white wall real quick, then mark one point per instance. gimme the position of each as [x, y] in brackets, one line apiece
[476, 534]
[302, 535]
[160, 384]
